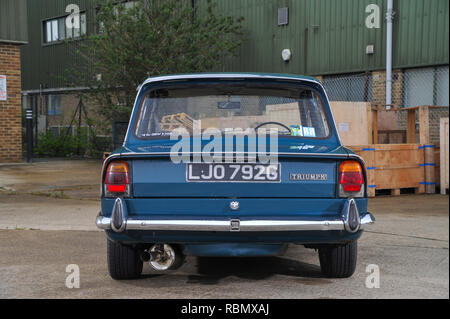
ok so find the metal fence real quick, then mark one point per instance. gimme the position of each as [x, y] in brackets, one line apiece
[349, 88]
[118, 133]
[410, 87]
[426, 86]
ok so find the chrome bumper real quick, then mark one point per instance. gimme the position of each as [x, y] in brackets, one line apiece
[120, 222]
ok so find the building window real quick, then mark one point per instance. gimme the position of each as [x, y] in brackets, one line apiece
[56, 30]
[54, 105]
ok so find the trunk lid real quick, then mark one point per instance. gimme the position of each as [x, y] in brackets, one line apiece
[154, 175]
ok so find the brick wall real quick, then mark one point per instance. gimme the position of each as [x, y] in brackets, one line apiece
[10, 110]
[379, 88]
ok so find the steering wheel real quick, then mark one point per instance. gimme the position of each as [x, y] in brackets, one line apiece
[273, 123]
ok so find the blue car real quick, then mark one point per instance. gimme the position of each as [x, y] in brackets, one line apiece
[237, 165]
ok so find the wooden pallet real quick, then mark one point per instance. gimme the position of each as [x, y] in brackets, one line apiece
[174, 121]
[169, 126]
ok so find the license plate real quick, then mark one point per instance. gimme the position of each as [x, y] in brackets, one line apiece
[242, 173]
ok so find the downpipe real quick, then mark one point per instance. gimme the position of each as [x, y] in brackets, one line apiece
[390, 19]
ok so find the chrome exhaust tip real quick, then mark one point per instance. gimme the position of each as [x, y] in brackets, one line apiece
[164, 257]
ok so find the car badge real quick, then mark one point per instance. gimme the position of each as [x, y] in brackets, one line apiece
[308, 177]
[234, 205]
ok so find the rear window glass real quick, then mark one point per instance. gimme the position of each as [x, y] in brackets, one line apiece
[295, 112]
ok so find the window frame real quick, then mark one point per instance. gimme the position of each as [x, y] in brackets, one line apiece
[44, 23]
[50, 99]
[149, 89]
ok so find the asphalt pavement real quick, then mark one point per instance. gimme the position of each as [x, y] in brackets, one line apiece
[47, 223]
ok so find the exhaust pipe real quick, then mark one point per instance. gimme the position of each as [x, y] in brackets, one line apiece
[145, 256]
[162, 257]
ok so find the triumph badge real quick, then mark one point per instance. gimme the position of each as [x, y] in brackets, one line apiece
[308, 177]
[234, 205]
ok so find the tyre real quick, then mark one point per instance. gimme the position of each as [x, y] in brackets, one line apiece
[339, 261]
[123, 261]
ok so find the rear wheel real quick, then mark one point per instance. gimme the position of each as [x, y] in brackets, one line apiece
[123, 261]
[339, 261]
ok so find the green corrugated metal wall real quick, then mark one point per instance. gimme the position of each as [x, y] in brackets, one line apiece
[330, 36]
[13, 21]
[325, 37]
[421, 33]
[48, 64]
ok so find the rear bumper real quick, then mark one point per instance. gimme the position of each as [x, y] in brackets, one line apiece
[350, 222]
[226, 225]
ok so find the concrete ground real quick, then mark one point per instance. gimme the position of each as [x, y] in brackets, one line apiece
[47, 213]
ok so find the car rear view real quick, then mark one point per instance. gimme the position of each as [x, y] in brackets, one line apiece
[237, 165]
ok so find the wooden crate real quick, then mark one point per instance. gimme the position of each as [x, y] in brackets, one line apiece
[437, 159]
[444, 156]
[393, 167]
[420, 112]
[392, 136]
[353, 121]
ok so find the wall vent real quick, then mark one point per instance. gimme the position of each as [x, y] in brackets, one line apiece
[283, 16]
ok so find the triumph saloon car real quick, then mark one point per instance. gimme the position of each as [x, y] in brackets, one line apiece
[163, 198]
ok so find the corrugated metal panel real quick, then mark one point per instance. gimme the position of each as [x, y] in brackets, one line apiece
[421, 33]
[338, 36]
[330, 37]
[13, 21]
[325, 37]
[47, 64]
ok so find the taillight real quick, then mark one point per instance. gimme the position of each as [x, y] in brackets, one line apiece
[117, 180]
[351, 179]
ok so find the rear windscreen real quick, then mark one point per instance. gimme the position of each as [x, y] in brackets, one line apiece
[295, 112]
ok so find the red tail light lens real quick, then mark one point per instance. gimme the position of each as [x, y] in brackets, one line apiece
[117, 179]
[351, 177]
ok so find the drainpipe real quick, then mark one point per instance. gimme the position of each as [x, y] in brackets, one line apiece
[390, 19]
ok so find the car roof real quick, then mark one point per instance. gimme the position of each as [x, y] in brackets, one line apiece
[177, 77]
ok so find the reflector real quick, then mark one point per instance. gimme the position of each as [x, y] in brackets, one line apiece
[350, 166]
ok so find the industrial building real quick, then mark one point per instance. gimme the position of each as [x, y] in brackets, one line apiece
[13, 34]
[343, 43]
